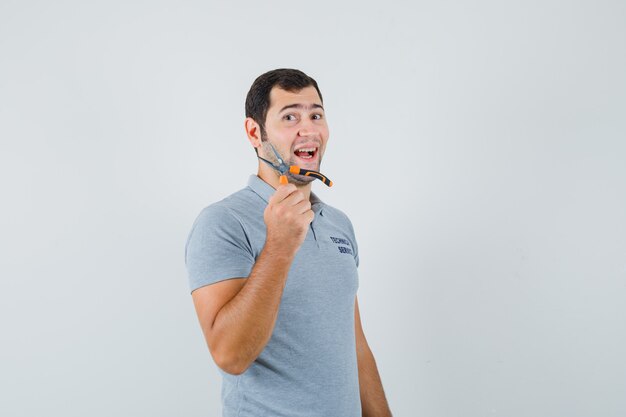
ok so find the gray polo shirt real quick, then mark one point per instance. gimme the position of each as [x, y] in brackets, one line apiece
[309, 366]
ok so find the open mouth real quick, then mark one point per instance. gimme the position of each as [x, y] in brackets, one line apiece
[307, 154]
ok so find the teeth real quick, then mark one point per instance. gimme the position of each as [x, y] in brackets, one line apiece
[306, 150]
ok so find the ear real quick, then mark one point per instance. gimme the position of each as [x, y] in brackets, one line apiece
[253, 131]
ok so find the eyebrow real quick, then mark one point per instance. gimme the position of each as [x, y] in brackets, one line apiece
[301, 106]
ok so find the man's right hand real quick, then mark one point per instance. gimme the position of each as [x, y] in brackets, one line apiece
[287, 218]
[238, 315]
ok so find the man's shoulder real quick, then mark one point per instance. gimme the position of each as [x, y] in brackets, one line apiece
[337, 216]
[335, 213]
[236, 206]
[242, 199]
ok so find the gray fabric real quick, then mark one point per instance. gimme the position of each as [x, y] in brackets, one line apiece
[309, 366]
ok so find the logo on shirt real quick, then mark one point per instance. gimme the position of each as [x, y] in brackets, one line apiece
[340, 241]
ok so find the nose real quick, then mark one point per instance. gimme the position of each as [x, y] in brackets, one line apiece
[307, 128]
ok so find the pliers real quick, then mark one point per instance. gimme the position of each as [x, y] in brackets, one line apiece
[283, 168]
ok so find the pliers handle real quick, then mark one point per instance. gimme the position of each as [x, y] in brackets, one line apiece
[295, 169]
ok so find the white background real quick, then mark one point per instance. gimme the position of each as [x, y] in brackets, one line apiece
[478, 148]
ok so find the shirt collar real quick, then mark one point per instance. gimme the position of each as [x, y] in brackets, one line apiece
[265, 191]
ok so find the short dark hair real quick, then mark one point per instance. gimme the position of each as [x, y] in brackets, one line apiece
[258, 98]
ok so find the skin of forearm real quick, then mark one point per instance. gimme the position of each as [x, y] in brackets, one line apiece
[245, 324]
[373, 401]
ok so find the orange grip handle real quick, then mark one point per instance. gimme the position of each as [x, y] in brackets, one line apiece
[296, 170]
[283, 179]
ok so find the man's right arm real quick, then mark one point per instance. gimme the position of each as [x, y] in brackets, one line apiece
[238, 316]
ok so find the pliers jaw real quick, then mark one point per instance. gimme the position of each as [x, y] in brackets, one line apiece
[282, 168]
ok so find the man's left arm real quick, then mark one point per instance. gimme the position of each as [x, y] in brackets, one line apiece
[373, 402]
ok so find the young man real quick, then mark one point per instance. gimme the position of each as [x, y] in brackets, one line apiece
[273, 274]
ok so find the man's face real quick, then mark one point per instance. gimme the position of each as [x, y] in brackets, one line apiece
[296, 126]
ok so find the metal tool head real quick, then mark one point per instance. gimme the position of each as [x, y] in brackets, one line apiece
[282, 167]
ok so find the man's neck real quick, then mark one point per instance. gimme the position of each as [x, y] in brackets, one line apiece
[271, 177]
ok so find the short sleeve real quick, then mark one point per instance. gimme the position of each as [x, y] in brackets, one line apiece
[217, 248]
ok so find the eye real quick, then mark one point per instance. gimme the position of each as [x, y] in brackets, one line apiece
[317, 116]
[289, 117]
